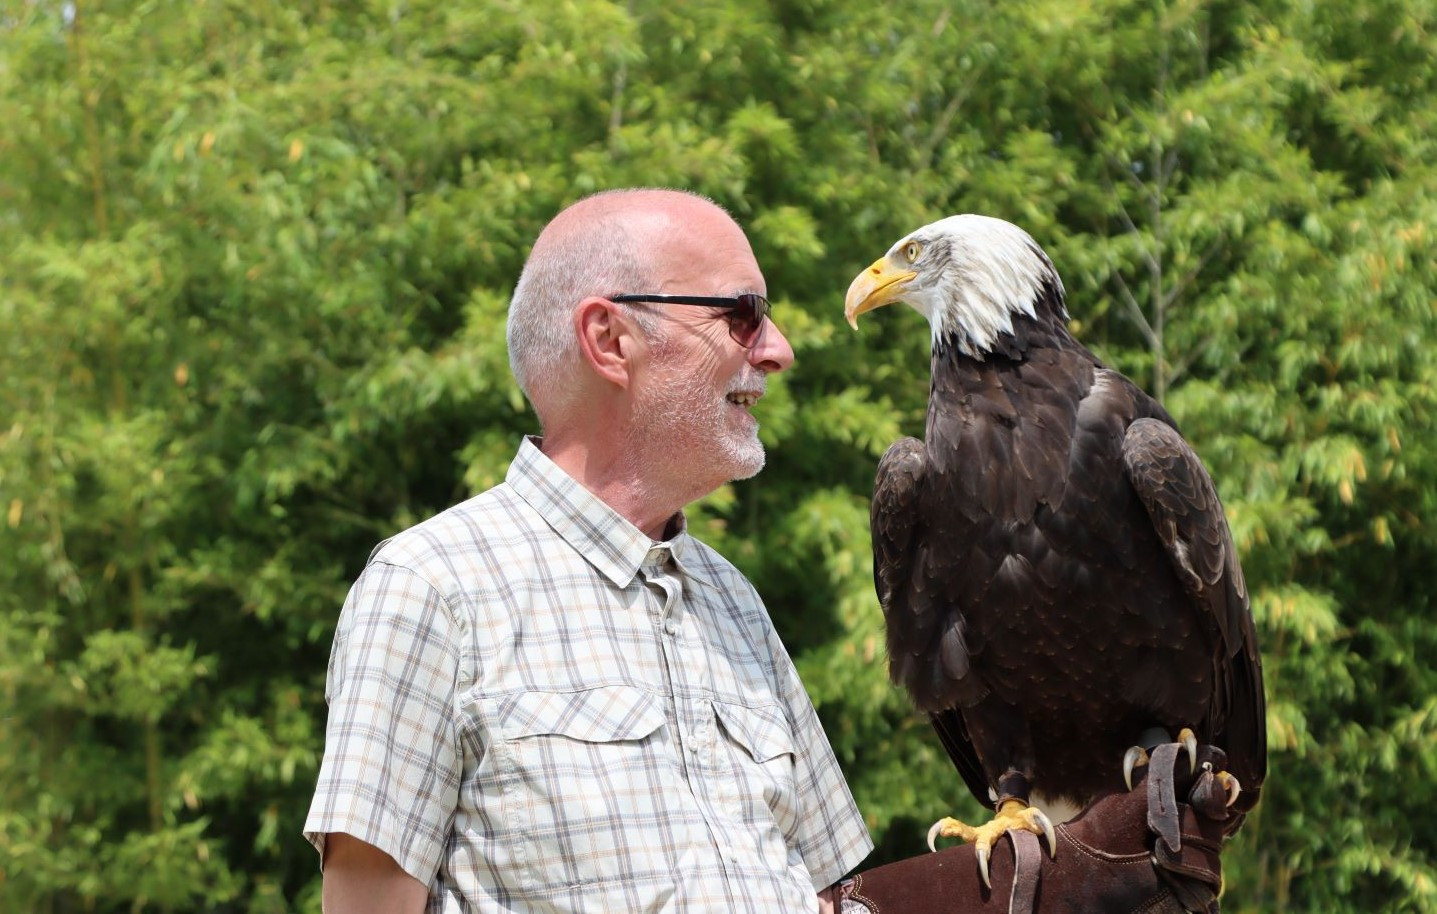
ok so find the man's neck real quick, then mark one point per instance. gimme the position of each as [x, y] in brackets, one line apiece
[619, 481]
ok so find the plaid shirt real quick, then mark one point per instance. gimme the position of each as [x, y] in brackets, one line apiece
[534, 707]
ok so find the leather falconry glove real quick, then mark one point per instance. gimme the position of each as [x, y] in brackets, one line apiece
[1144, 850]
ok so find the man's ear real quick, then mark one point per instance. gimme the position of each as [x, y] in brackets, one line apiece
[606, 339]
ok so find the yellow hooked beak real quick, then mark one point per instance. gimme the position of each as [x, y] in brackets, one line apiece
[881, 284]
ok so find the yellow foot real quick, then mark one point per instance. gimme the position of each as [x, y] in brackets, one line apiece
[1012, 815]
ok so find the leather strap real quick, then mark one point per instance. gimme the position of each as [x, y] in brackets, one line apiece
[1027, 868]
[1013, 785]
[1162, 796]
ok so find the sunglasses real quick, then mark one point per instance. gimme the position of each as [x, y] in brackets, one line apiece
[745, 313]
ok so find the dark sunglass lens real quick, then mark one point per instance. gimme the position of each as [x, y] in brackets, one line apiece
[746, 321]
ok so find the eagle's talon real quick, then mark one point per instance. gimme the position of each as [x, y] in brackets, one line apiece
[1049, 833]
[1234, 787]
[1133, 758]
[984, 855]
[1189, 740]
[949, 827]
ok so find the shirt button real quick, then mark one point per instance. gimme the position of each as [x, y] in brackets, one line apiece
[671, 627]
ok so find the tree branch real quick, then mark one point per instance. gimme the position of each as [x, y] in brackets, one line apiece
[1135, 310]
[1187, 278]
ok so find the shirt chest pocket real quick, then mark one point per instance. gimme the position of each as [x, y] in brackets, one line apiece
[608, 714]
[759, 746]
[584, 779]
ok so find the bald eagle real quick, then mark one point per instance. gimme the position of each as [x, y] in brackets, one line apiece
[1057, 577]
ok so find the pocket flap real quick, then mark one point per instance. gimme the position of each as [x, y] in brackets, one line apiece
[601, 715]
[762, 731]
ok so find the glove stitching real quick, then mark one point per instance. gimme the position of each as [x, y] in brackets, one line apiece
[1156, 903]
[1102, 855]
[857, 895]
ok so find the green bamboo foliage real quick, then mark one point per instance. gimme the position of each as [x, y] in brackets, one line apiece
[254, 262]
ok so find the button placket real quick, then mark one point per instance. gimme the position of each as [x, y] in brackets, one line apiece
[686, 671]
[657, 570]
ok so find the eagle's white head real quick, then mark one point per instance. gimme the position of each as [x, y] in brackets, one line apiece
[970, 276]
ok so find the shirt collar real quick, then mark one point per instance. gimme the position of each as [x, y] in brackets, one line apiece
[605, 538]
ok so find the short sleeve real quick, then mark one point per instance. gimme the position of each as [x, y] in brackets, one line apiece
[391, 769]
[829, 833]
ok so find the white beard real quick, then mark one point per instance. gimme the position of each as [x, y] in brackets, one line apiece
[688, 432]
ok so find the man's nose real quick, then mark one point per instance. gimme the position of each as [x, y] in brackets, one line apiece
[771, 353]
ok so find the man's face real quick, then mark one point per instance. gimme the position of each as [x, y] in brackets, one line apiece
[693, 405]
[694, 408]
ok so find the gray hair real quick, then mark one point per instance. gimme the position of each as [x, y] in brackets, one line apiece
[562, 271]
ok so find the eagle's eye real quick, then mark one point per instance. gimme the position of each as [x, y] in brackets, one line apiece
[911, 251]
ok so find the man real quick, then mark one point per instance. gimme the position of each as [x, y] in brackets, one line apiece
[551, 697]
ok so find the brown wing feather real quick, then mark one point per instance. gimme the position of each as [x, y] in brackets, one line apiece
[894, 519]
[1180, 498]
[902, 556]
[953, 734]
[902, 579]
